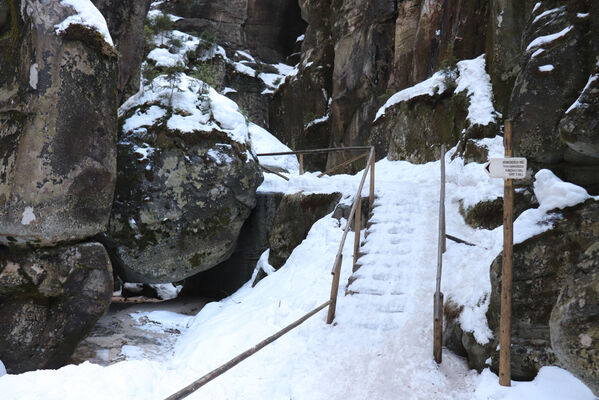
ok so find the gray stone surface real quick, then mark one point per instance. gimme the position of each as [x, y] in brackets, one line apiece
[554, 303]
[294, 218]
[49, 300]
[125, 19]
[179, 210]
[57, 127]
[225, 278]
[267, 27]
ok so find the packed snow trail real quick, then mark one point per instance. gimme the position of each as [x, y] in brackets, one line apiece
[389, 301]
[378, 348]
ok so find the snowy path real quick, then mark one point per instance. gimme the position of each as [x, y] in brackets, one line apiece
[380, 345]
[392, 300]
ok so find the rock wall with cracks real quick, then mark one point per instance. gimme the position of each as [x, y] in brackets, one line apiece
[57, 174]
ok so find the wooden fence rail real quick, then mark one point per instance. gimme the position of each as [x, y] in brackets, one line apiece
[438, 301]
[331, 303]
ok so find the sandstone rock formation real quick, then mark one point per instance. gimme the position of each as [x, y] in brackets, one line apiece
[58, 127]
[356, 53]
[549, 52]
[225, 278]
[573, 323]
[449, 108]
[58, 114]
[125, 19]
[267, 27]
[49, 300]
[554, 301]
[430, 35]
[186, 184]
[294, 218]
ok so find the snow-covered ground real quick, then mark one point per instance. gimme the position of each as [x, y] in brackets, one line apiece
[380, 345]
[354, 358]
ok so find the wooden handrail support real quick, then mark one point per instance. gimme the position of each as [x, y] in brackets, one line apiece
[272, 171]
[343, 164]
[189, 389]
[438, 301]
[339, 257]
[316, 151]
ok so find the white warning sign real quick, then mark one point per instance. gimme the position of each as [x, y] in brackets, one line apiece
[506, 168]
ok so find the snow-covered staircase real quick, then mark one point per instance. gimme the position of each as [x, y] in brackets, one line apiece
[382, 282]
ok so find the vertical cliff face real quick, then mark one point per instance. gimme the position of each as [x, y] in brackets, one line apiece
[57, 123]
[432, 34]
[267, 27]
[58, 101]
[125, 19]
[363, 34]
[361, 52]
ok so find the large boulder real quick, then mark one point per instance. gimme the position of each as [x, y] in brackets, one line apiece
[573, 324]
[554, 301]
[186, 183]
[125, 19]
[295, 216]
[58, 114]
[231, 274]
[50, 299]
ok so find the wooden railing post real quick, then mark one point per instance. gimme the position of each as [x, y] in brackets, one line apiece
[371, 197]
[438, 301]
[357, 218]
[301, 163]
[505, 322]
[334, 288]
[339, 258]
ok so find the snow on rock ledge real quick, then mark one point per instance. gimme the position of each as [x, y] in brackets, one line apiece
[454, 105]
[186, 183]
[86, 15]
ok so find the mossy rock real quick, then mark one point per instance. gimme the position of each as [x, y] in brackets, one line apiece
[488, 214]
[50, 299]
[292, 222]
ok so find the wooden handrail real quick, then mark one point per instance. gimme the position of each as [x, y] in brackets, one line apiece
[331, 303]
[438, 300]
[343, 164]
[316, 151]
[337, 266]
[195, 385]
[272, 171]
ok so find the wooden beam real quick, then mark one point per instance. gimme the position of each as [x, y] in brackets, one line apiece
[438, 330]
[372, 162]
[273, 172]
[438, 301]
[357, 221]
[316, 151]
[335, 287]
[189, 389]
[505, 323]
[351, 160]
